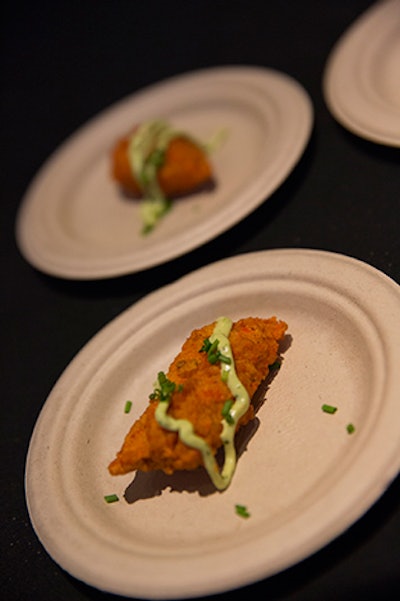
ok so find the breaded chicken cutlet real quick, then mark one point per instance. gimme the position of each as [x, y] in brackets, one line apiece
[203, 399]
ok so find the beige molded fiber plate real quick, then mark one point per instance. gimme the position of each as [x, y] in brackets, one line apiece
[362, 76]
[75, 223]
[302, 476]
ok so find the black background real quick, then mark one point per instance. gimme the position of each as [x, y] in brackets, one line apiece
[61, 63]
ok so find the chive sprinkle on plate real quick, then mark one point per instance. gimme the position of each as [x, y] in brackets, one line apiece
[242, 511]
[329, 409]
[111, 498]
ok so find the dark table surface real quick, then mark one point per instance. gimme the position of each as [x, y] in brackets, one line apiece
[63, 62]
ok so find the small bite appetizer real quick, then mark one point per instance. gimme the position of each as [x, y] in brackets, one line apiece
[203, 400]
[158, 163]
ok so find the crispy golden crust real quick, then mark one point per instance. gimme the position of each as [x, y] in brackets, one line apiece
[148, 446]
[185, 169]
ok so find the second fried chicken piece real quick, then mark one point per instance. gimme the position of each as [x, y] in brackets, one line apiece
[186, 167]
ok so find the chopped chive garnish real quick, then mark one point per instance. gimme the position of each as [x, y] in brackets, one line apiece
[166, 388]
[212, 357]
[329, 408]
[225, 411]
[242, 511]
[111, 498]
[350, 428]
[213, 354]
[128, 406]
[157, 157]
[206, 346]
[213, 348]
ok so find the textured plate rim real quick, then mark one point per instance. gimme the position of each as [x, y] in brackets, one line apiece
[367, 116]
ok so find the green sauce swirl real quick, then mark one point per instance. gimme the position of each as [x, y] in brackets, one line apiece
[221, 479]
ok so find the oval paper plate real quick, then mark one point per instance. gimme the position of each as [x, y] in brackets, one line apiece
[303, 477]
[362, 76]
[74, 222]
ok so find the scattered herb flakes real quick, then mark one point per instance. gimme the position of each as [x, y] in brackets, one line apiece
[331, 409]
[111, 498]
[166, 388]
[226, 411]
[242, 511]
[128, 406]
[328, 408]
[213, 354]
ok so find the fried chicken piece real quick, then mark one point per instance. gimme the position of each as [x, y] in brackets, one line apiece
[200, 398]
[185, 169]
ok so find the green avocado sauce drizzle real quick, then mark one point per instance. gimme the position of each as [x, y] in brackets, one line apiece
[218, 346]
[146, 152]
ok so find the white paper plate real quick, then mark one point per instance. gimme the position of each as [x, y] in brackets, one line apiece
[74, 223]
[303, 478]
[362, 76]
